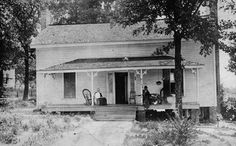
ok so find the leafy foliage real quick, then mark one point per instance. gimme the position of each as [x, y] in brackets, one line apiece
[19, 21]
[166, 17]
[20, 69]
[174, 132]
[9, 37]
[27, 14]
[81, 11]
[9, 127]
[228, 41]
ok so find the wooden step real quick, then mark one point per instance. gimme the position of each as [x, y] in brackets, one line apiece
[115, 108]
[114, 117]
[115, 113]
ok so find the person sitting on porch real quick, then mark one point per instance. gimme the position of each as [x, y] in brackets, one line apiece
[97, 95]
[161, 93]
[146, 97]
[99, 99]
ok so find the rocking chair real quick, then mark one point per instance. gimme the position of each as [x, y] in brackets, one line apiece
[87, 96]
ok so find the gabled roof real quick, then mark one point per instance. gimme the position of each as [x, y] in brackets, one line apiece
[91, 33]
[111, 64]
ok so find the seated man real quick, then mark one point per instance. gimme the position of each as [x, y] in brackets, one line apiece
[99, 99]
[146, 97]
[161, 95]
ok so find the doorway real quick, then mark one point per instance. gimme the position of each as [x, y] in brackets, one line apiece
[121, 88]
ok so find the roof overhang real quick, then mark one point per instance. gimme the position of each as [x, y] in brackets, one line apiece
[134, 42]
[117, 64]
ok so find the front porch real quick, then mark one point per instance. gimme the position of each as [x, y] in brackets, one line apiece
[114, 111]
[120, 80]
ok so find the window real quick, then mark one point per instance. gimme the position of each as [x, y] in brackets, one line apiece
[69, 85]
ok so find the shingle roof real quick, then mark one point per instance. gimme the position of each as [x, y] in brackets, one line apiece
[117, 63]
[90, 33]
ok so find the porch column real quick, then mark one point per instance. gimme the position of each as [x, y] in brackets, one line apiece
[141, 73]
[197, 77]
[92, 75]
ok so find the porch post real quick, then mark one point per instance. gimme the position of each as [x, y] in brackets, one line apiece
[92, 88]
[141, 73]
[141, 89]
[197, 76]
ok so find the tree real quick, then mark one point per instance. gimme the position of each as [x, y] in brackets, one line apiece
[182, 20]
[81, 11]
[228, 41]
[20, 69]
[27, 14]
[8, 40]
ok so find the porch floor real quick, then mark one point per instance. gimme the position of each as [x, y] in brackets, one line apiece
[124, 112]
[88, 108]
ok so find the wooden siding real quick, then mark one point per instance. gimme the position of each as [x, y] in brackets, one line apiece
[47, 92]
[190, 91]
[54, 56]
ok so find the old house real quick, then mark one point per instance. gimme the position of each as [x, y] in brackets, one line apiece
[71, 58]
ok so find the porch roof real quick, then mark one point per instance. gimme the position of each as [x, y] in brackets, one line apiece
[113, 64]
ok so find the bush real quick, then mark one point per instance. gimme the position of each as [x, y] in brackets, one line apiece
[36, 126]
[174, 132]
[67, 119]
[3, 101]
[9, 127]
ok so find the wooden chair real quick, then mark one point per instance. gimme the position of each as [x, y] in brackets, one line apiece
[87, 96]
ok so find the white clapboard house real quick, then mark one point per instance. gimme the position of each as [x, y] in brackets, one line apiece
[71, 58]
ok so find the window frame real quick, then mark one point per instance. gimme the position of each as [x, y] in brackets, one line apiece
[64, 88]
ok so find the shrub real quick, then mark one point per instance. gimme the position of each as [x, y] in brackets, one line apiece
[3, 101]
[25, 127]
[9, 127]
[180, 132]
[36, 126]
[77, 118]
[67, 119]
[174, 132]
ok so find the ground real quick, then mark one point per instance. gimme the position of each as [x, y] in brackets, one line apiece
[222, 135]
[72, 130]
[97, 133]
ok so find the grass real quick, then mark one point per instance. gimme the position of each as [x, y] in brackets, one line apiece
[168, 132]
[35, 129]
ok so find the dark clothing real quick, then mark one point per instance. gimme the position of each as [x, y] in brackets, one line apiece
[146, 98]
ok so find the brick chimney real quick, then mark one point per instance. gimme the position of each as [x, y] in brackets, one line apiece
[45, 19]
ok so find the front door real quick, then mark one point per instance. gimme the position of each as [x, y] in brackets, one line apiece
[121, 86]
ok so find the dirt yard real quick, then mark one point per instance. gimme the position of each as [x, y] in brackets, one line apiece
[97, 133]
[222, 135]
[61, 130]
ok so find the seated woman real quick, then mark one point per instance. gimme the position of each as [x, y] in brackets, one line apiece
[99, 99]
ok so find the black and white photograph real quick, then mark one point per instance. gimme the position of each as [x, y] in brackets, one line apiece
[117, 72]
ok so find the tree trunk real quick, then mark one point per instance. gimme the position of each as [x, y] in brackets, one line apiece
[26, 80]
[1, 83]
[214, 14]
[178, 74]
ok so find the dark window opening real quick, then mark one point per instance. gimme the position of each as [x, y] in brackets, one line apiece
[69, 85]
[204, 114]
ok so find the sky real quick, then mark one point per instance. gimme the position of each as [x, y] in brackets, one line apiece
[228, 79]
